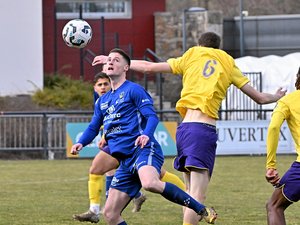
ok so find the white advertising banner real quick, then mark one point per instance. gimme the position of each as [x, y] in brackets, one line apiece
[249, 137]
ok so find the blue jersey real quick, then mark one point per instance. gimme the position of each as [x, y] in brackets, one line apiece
[126, 113]
[96, 96]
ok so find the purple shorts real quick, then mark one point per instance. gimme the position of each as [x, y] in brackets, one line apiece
[106, 149]
[291, 183]
[196, 147]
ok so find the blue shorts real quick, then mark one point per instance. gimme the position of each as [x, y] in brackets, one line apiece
[196, 147]
[291, 183]
[126, 178]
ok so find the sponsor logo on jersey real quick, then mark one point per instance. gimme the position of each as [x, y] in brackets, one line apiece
[104, 105]
[110, 110]
[145, 100]
[121, 98]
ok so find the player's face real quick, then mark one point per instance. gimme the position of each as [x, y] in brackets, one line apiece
[102, 86]
[116, 65]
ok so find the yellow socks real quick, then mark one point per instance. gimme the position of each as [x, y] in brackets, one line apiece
[174, 179]
[95, 189]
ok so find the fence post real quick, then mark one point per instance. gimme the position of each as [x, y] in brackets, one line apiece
[45, 135]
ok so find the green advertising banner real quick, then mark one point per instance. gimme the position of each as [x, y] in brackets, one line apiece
[164, 134]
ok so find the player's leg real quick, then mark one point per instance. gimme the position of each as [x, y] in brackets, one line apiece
[192, 153]
[149, 177]
[125, 185]
[283, 196]
[109, 176]
[114, 206]
[275, 208]
[166, 176]
[150, 181]
[137, 201]
[199, 180]
[186, 178]
[102, 163]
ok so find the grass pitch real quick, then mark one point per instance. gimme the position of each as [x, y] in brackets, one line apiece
[49, 192]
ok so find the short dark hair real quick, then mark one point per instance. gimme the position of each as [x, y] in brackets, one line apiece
[297, 83]
[100, 75]
[209, 39]
[122, 53]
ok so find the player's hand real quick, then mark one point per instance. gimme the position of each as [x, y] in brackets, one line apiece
[102, 143]
[272, 176]
[142, 140]
[100, 59]
[76, 148]
[280, 93]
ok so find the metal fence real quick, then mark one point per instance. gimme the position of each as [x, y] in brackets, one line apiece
[238, 106]
[46, 131]
[38, 131]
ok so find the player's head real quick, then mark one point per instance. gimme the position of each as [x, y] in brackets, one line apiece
[209, 39]
[118, 62]
[297, 84]
[122, 53]
[101, 83]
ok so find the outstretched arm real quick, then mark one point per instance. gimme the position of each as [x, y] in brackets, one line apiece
[260, 97]
[144, 66]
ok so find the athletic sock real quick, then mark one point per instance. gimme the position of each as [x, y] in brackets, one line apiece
[173, 179]
[122, 223]
[95, 189]
[107, 184]
[176, 195]
[138, 195]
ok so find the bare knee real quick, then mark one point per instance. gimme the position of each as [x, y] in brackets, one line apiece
[98, 170]
[109, 216]
[151, 185]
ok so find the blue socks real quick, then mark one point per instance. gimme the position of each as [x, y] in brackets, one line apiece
[122, 223]
[138, 195]
[176, 195]
[107, 184]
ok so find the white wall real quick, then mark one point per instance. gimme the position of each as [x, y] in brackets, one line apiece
[21, 55]
[277, 71]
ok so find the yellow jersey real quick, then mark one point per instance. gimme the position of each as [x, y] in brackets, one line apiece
[287, 108]
[206, 75]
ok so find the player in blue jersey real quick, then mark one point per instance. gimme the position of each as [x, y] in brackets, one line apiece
[129, 120]
[287, 188]
[103, 163]
[207, 72]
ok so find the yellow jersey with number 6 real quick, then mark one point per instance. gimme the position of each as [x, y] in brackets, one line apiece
[206, 75]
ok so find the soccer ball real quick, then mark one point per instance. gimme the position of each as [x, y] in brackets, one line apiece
[77, 33]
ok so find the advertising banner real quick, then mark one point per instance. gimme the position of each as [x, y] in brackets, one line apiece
[249, 137]
[234, 138]
[164, 134]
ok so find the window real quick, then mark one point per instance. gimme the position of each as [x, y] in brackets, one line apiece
[94, 9]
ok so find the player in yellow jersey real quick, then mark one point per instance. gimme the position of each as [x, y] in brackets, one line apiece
[104, 163]
[287, 188]
[207, 72]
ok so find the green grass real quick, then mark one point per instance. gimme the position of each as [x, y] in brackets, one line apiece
[49, 192]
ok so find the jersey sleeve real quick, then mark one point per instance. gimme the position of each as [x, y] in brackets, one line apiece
[238, 78]
[279, 115]
[176, 65]
[94, 126]
[144, 103]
